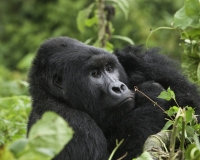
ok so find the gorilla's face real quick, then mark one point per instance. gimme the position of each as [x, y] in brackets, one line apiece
[107, 82]
[96, 83]
[84, 77]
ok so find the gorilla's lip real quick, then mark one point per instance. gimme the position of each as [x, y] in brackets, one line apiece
[125, 101]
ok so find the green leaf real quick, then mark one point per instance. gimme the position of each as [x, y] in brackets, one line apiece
[144, 156]
[171, 93]
[18, 146]
[168, 124]
[123, 38]
[88, 41]
[46, 151]
[197, 127]
[191, 65]
[192, 9]
[181, 20]
[91, 21]
[165, 95]
[25, 62]
[51, 132]
[123, 5]
[109, 46]
[190, 131]
[83, 17]
[189, 112]
[193, 33]
[172, 110]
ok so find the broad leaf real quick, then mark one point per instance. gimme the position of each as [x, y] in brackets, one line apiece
[189, 112]
[83, 17]
[181, 20]
[192, 9]
[171, 93]
[51, 132]
[165, 95]
[172, 110]
[18, 146]
[190, 66]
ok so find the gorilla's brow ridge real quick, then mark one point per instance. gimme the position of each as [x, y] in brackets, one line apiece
[99, 61]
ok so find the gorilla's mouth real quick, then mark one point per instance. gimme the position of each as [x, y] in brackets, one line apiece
[129, 99]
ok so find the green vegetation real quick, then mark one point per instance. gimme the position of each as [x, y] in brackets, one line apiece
[180, 142]
[46, 139]
[25, 24]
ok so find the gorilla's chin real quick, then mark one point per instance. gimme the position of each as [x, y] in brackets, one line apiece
[124, 105]
[129, 100]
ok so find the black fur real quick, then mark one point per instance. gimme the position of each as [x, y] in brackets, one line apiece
[102, 107]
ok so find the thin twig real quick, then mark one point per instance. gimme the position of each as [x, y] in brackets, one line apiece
[155, 103]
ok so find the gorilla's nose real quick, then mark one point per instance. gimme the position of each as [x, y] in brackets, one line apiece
[117, 89]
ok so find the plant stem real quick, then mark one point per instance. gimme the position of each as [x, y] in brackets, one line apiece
[173, 135]
[117, 146]
[155, 31]
[101, 23]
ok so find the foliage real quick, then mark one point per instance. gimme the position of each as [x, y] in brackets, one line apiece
[42, 143]
[181, 141]
[14, 116]
[12, 83]
[144, 156]
[186, 21]
[98, 15]
[25, 24]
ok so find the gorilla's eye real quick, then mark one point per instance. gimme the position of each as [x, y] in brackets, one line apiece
[95, 73]
[109, 69]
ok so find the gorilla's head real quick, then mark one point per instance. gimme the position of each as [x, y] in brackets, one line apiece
[83, 77]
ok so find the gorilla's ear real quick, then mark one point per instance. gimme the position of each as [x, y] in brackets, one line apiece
[57, 80]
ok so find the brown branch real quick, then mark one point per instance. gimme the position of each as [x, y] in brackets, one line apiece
[155, 103]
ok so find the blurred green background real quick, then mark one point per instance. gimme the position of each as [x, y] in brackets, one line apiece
[25, 24]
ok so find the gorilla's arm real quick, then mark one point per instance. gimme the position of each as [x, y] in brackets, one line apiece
[143, 65]
[88, 141]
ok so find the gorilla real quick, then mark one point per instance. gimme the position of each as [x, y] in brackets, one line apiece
[93, 90]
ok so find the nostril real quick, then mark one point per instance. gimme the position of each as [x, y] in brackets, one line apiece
[123, 87]
[116, 89]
